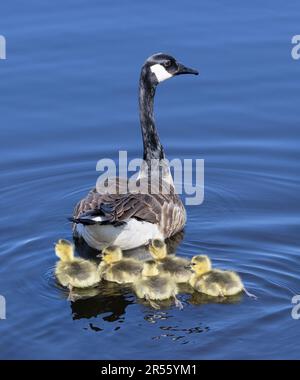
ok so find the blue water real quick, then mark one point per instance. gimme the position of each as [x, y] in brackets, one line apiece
[69, 98]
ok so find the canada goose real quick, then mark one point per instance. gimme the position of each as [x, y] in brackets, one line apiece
[73, 271]
[129, 219]
[176, 267]
[114, 267]
[215, 282]
[156, 286]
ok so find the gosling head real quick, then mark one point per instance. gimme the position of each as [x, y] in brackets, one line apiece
[111, 254]
[64, 249]
[157, 249]
[200, 264]
[150, 269]
[161, 66]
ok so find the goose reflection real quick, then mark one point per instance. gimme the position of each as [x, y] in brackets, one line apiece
[197, 298]
[111, 301]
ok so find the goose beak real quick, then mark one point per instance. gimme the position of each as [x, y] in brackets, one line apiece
[185, 70]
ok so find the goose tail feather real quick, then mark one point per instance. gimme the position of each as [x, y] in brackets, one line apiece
[84, 221]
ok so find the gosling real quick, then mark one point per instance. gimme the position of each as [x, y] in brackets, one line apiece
[214, 282]
[176, 267]
[73, 271]
[114, 267]
[154, 286]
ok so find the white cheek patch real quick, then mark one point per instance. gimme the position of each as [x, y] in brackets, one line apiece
[160, 72]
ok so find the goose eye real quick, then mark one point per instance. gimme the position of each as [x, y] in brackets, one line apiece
[167, 63]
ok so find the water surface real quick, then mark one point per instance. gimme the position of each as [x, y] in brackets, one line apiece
[69, 98]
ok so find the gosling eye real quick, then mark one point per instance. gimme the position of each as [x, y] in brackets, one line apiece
[167, 63]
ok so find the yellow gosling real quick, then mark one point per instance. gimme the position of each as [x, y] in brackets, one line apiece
[214, 282]
[176, 267]
[154, 286]
[72, 271]
[114, 267]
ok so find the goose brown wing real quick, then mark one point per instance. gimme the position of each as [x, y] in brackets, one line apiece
[166, 210]
[113, 208]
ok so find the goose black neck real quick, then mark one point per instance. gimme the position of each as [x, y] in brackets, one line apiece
[152, 146]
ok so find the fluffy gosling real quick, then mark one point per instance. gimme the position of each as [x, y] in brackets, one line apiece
[114, 267]
[154, 286]
[214, 282]
[72, 271]
[176, 267]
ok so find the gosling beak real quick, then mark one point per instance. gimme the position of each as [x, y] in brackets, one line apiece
[189, 267]
[100, 255]
[185, 70]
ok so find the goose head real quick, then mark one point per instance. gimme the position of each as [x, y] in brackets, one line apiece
[161, 66]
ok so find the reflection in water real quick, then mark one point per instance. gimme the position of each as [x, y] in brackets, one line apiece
[201, 299]
[183, 335]
[110, 298]
[163, 305]
[155, 316]
[94, 328]
[173, 332]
